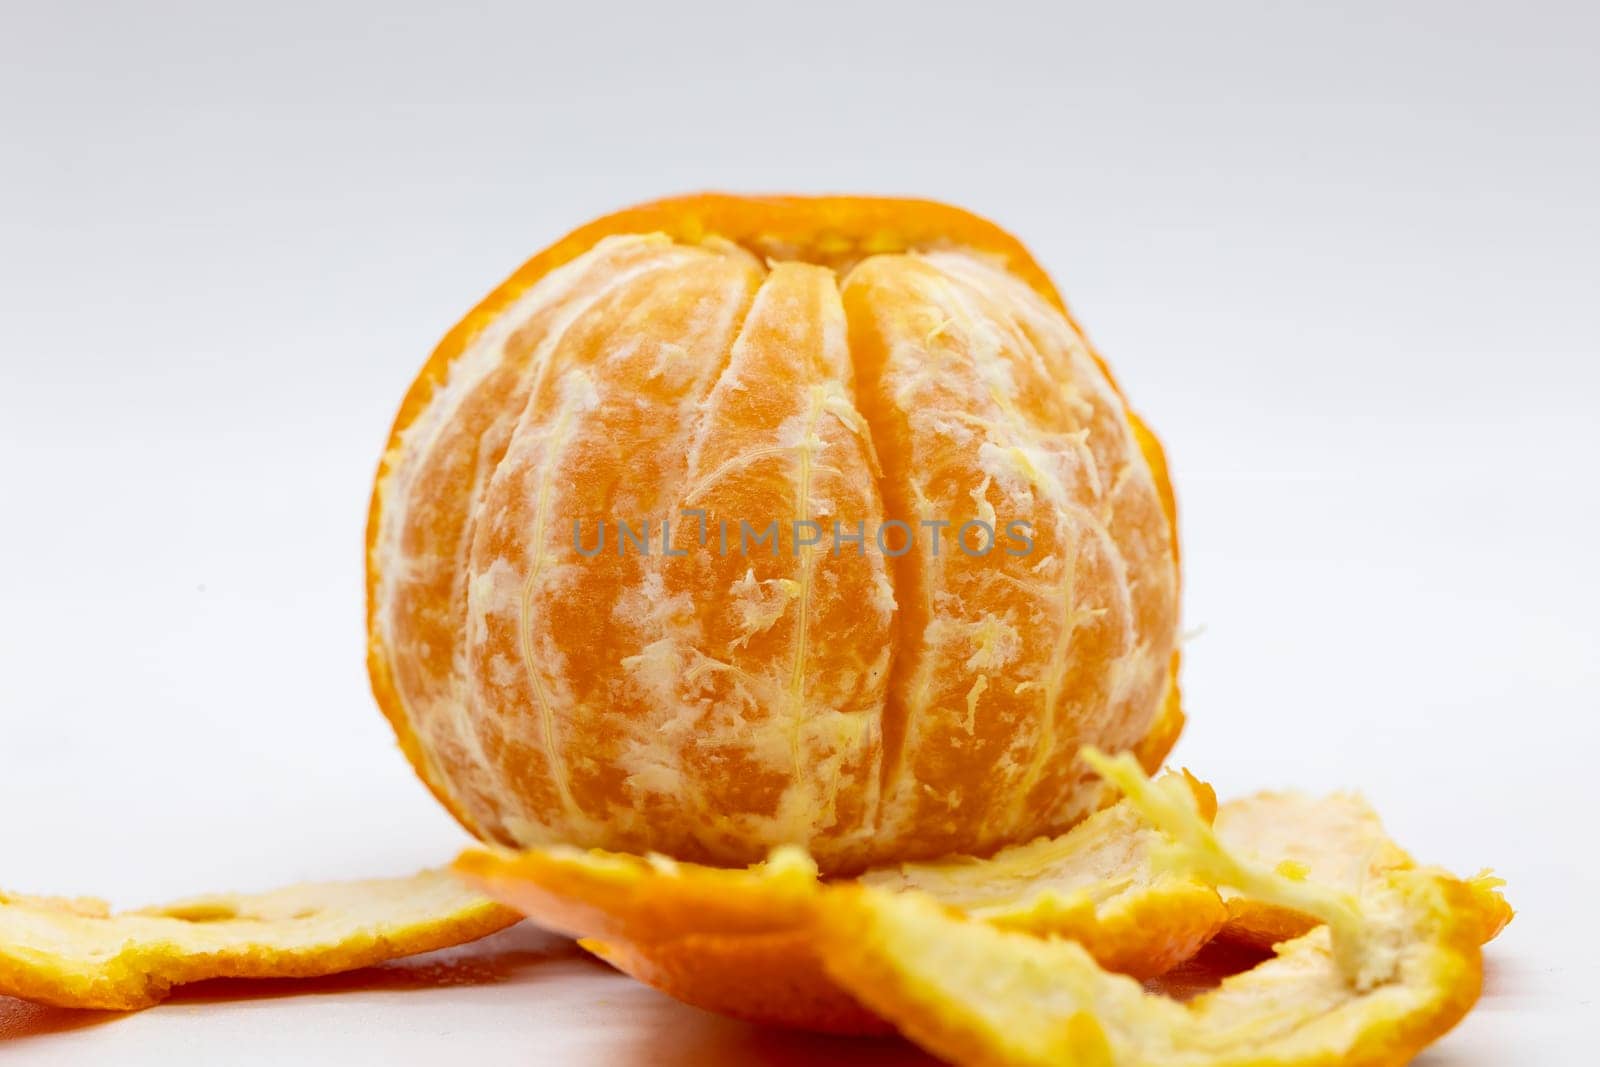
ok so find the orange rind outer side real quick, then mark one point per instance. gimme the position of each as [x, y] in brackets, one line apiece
[613, 897]
[772, 979]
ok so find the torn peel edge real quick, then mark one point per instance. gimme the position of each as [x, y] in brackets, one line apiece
[613, 896]
[1494, 910]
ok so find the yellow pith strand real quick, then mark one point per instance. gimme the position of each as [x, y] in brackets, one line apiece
[1195, 848]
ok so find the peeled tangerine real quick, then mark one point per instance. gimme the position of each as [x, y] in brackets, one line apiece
[733, 523]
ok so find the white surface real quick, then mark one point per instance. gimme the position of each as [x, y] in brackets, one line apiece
[1344, 260]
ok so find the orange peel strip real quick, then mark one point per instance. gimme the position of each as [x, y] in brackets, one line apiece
[1386, 976]
[1337, 841]
[742, 941]
[76, 954]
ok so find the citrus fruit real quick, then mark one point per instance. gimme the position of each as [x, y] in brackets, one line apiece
[886, 545]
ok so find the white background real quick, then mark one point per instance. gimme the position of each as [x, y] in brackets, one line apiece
[1343, 256]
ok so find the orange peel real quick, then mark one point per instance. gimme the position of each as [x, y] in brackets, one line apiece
[736, 941]
[1094, 884]
[1385, 976]
[971, 993]
[1336, 840]
[77, 954]
[742, 941]
[746, 942]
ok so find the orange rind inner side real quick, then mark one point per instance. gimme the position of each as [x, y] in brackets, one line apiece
[1095, 885]
[1337, 841]
[971, 993]
[1389, 973]
[77, 954]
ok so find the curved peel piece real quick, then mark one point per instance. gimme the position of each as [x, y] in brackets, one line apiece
[736, 941]
[76, 954]
[1095, 884]
[1194, 847]
[614, 896]
[1337, 841]
[1389, 972]
[970, 993]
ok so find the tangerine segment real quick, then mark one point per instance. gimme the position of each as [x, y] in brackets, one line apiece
[971, 993]
[716, 362]
[988, 411]
[75, 954]
[1338, 841]
[1096, 885]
